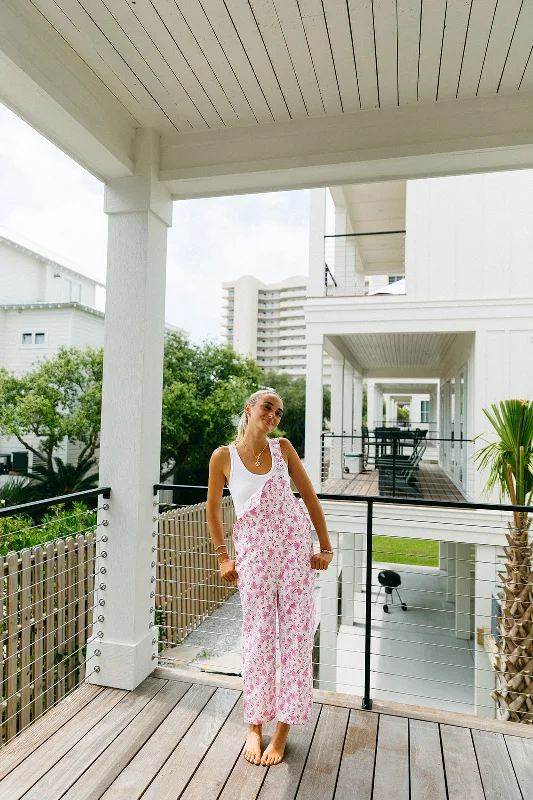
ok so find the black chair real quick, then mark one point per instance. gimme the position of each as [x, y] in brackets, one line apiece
[389, 580]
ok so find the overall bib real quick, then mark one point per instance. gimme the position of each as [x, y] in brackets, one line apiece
[273, 546]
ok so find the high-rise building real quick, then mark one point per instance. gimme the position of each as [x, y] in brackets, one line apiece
[267, 322]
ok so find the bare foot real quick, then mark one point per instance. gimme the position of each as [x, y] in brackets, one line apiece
[252, 748]
[274, 752]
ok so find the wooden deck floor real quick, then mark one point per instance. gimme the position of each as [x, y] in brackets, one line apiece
[178, 736]
[431, 481]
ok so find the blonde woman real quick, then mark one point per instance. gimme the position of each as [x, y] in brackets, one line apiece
[274, 567]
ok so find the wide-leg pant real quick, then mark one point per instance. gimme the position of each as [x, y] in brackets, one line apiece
[273, 560]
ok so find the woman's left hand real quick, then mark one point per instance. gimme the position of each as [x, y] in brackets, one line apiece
[321, 560]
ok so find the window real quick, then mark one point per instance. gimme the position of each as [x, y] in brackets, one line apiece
[27, 338]
[394, 278]
[40, 338]
[424, 411]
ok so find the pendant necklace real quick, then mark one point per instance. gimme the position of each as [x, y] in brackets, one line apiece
[257, 462]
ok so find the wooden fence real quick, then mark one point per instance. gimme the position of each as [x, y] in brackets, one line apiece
[189, 586]
[46, 601]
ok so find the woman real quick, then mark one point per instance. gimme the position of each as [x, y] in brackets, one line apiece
[274, 566]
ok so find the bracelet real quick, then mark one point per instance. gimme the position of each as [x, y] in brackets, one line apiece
[223, 554]
[219, 546]
[327, 551]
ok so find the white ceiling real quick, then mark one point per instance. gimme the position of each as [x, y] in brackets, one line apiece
[179, 65]
[399, 350]
[252, 95]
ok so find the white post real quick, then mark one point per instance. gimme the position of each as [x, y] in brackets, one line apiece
[347, 405]
[327, 671]
[314, 414]
[485, 676]
[337, 399]
[452, 572]
[317, 230]
[348, 577]
[140, 211]
[463, 591]
[357, 408]
[370, 405]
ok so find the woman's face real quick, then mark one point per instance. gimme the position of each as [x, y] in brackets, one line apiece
[266, 413]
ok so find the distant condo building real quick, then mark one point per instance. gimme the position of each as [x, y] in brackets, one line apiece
[266, 321]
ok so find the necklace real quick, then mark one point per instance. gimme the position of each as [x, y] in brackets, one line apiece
[257, 462]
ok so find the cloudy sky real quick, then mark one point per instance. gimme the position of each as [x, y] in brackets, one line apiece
[47, 198]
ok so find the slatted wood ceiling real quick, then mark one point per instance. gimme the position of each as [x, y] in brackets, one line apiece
[178, 65]
[399, 350]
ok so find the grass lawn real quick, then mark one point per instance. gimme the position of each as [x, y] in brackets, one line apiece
[422, 552]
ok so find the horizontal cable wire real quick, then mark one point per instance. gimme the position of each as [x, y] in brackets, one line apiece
[73, 689]
[17, 652]
[52, 687]
[46, 524]
[42, 564]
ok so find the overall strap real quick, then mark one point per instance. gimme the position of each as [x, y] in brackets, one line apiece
[278, 457]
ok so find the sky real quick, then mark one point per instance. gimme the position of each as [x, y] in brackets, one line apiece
[49, 199]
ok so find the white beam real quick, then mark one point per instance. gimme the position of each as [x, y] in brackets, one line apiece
[48, 85]
[447, 138]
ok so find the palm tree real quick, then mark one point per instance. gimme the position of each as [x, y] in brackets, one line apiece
[64, 478]
[509, 460]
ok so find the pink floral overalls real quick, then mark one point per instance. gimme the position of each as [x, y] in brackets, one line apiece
[273, 546]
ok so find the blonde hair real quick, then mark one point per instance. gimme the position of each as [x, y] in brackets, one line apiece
[243, 422]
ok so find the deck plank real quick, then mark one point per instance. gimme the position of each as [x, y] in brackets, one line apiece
[391, 777]
[358, 755]
[460, 764]
[521, 752]
[245, 780]
[281, 781]
[172, 779]
[425, 761]
[134, 779]
[210, 777]
[322, 766]
[29, 771]
[40, 731]
[100, 775]
[495, 767]
[68, 769]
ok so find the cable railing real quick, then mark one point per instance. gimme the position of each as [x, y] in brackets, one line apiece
[369, 262]
[411, 608]
[396, 462]
[48, 602]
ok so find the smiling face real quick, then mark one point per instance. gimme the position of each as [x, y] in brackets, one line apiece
[266, 413]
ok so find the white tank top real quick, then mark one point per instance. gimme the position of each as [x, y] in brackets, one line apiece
[242, 482]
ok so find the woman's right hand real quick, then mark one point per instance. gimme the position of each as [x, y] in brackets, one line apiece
[227, 569]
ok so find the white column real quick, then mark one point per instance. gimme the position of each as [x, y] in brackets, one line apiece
[347, 405]
[314, 413]
[140, 211]
[337, 398]
[452, 572]
[348, 577]
[327, 671]
[357, 408]
[485, 677]
[370, 405]
[463, 591]
[317, 230]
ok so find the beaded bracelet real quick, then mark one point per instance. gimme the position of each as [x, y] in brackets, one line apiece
[327, 551]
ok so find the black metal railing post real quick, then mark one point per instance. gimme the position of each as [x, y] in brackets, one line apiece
[367, 702]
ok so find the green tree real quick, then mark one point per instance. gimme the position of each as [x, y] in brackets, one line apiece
[64, 478]
[59, 398]
[204, 390]
[509, 461]
[292, 392]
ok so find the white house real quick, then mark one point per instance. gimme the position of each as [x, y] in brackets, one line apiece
[462, 328]
[45, 302]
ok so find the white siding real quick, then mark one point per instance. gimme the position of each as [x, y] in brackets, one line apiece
[22, 277]
[470, 237]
